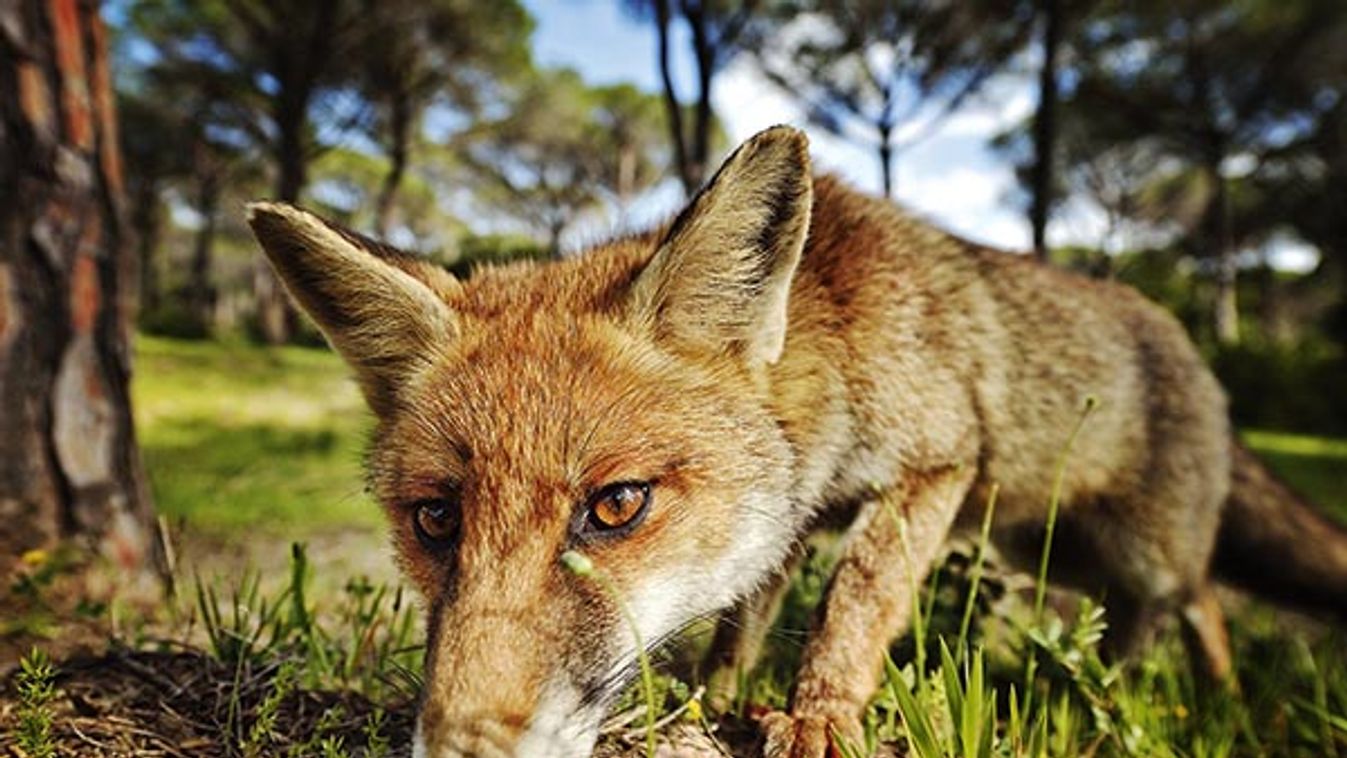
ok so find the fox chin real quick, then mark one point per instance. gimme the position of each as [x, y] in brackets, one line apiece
[681, 408]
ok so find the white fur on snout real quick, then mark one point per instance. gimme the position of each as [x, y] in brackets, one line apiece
[666, 601]
[560, 728]
[659, 606]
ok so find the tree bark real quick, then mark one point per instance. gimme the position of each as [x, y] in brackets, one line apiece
[400, 132]
[200, 288]
[1045, 126]
[1225, 306]
[886, 157]
[674, 109]
[695, 165]
[70, 469]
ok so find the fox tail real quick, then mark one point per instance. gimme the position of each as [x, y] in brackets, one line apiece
[1275, 544]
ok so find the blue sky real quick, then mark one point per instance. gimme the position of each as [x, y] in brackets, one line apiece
[596, 38]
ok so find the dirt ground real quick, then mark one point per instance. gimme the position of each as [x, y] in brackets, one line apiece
[185, 704]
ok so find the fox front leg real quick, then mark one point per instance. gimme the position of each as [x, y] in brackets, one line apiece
[889, 550]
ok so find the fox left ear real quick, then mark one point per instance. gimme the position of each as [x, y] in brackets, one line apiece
[721, 279]
[384, 311]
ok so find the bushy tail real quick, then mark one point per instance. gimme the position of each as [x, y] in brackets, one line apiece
[1275, 544]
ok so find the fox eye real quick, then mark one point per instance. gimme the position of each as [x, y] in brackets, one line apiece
[435, 523]
[618, 506]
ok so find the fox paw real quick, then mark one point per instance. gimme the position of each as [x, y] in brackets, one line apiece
[807, 736]
[722, 687]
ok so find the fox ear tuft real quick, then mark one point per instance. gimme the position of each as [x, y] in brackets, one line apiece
[721, 278]
[383, 310]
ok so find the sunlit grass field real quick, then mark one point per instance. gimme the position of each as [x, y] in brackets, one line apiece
[241, 441]
[239, 438]
[1315, 466]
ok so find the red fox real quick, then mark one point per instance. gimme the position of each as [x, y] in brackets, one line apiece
[682, 407]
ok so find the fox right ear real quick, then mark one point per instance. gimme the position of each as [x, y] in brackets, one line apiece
[721, 278]
[384, 311]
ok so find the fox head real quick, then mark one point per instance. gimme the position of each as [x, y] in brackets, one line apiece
[614, 405]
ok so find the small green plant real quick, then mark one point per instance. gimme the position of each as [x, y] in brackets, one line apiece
[261, 734]
[376, 740]
[321, 741]
[37, 573]
[366, 641]
[975, 581]
[580, 565]
[1055, 502]
[236, 631]
[967, 724]
[37, 688]
[333, 747]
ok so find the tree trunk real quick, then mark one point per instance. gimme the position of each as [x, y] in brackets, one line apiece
[1045, 126]
[69, 465]
[626, 180]
[147, 225]
[886, 157]
[200, 288]
[1272, 320]
[275, 317]
[1226, 315]
[400, 133]
[672, 107]
[1225, 308]
[695, 167]
[554, 229]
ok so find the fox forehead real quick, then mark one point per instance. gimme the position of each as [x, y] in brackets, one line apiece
[529, 399]
[544, 368]
[551, 397]
[596, 280]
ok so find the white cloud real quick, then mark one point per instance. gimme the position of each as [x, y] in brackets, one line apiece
[1290, 253]
[950, 177]
[1005, 103]
[747, 102]
[955, 191]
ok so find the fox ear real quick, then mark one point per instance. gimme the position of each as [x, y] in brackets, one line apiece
[384, 311]
[721, 277]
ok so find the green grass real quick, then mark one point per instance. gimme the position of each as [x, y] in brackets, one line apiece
[241, 438]
[1315, 466]
[35, 683]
